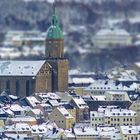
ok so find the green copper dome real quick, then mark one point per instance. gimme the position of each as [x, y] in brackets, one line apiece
[54, 31]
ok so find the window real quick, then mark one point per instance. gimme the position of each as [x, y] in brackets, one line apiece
[0, 87]
[27, 88]
[17, 88]
[8, 86]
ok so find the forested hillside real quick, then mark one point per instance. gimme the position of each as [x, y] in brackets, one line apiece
[80, 20]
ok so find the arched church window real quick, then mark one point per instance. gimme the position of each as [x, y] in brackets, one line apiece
[17, 87]
[8, 86]
[27, 88]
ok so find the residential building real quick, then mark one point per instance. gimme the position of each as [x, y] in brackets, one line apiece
[116, 96]
[61, 117]
[86, 133]
[135, 106]
[109, 133]
[99, 87]
[82, 110]
[130, 132]
[71, 109]
[112, 116]
[78, 81]
[112, 37]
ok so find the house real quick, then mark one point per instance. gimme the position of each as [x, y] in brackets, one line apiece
[21, 128]
[95, 104]
[78, 81]
[112, 37]
[26, 119]
[136, 67]
[112, 116]
[61, 117]
[116, 96]
[36, 113]
[71, 109]
[82, 110]
[99, 87]
[109, 133]
[135, 106]
[86, 133]
[32, 101]
[130, 132]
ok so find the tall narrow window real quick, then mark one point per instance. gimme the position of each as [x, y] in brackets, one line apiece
[27, 88]
[17, 87]
[0, 88]
[8, 86]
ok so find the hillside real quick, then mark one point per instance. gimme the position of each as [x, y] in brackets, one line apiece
[80, 20]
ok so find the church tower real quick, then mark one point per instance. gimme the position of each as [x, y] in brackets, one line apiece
[54, 53]
[55, 39]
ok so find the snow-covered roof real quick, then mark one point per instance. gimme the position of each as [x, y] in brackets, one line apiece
[39, 129]
[114, 111]
[116, 92]
[109, 132]
[82, 80]
[24, 119]
[17, 136]
[64, 112]
[85, 131]
[137, 64]
[54, 103]
[33, 101]
[37, 111]
[99, 97]
[49, 95]
[130, 130]
[80, 102]
[118, 32]
[104, 85]
[16, 107]
[18, 127]
[20, 68]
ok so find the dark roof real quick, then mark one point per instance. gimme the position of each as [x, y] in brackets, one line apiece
[5, 99]
[94, 105]
[133, 95]
[23, 102]
[68, 106]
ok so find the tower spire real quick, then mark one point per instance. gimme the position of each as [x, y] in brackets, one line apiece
[54, 17]
[54, 7]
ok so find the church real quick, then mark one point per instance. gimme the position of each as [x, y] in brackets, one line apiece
[23, 78]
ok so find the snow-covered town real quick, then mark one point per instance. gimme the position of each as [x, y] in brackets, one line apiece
[104, 108]
[47, 91]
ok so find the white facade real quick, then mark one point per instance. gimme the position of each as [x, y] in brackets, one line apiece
[107, 37]
[112, 116]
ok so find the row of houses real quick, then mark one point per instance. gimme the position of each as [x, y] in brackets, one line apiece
[47, 115]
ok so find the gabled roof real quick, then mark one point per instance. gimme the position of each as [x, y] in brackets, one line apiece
[20, 68]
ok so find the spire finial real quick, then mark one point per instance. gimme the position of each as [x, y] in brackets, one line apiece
[54, 7]
[54, 18]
